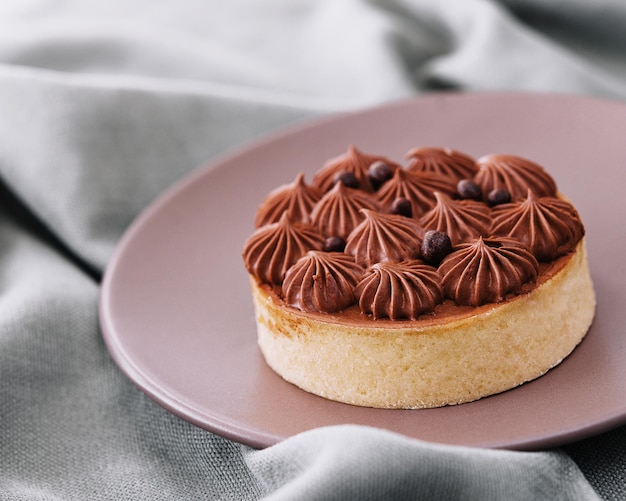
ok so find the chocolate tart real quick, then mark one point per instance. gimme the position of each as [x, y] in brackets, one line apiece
[468, 294]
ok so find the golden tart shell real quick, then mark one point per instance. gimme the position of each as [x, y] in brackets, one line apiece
[456, 355]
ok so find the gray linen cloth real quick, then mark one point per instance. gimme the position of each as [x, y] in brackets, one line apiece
[104, 104]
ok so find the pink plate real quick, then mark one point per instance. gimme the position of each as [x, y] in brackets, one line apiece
[177, 315]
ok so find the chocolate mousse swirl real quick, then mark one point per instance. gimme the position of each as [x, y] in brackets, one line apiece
[441, 161]
[384, 237]
[322, 281]
[514, 174]
[402, 290]
[338, 211]
[486, 270]
[354, 162]
[296, 199]
[550, 226]
[461, 220]
[273, 248]
[417, 187]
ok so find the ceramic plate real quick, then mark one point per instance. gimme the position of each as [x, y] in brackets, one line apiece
[177, 315]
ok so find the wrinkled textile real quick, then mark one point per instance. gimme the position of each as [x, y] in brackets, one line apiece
[104, 104]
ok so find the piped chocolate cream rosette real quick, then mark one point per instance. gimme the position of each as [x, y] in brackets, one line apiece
[355, 168]
[403, 290]
[551, 227]
[296, 200]
[338, 212]
[443, 162]
[438, 283]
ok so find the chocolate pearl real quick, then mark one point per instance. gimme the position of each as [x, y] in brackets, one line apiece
[334, 244]
[468, 189]
[402, 207]
[348, 179]
[379, 172]
[498, 196]
[435, 246]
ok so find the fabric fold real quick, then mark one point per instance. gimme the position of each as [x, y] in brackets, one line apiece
[355, 462]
